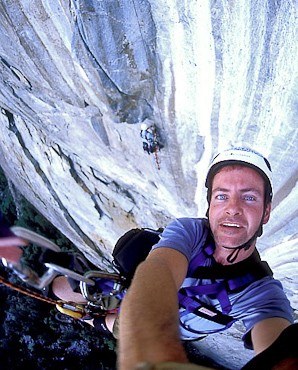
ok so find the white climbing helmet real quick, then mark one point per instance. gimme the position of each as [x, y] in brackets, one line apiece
[246, 157]
[144, 126]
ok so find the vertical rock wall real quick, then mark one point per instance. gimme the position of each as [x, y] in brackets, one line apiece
[79, 77]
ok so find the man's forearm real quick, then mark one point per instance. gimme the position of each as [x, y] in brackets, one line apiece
[149, 328]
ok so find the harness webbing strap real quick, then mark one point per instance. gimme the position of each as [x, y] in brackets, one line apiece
[203, 289]
[217, 289]
[200, 259]
[252, 264]
[208, 312]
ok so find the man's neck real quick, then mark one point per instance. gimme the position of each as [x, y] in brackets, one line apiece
[221, 254]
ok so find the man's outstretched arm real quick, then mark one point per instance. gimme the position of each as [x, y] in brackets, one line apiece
[266, 332]
[149, 317]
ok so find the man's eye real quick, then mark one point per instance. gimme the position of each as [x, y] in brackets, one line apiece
[221, 197]
[249, 198]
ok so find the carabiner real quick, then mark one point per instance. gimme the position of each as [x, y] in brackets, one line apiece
[30, 277]
[105, 301]
[25, 273]
[69, 273]
[35, 238]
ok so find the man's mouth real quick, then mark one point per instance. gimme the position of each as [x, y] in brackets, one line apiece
[230, 224]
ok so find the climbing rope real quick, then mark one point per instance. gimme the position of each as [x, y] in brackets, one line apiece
[75, 310]
[27, 291]
[157, 160]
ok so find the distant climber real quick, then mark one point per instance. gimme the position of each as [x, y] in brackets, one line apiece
[149, 136]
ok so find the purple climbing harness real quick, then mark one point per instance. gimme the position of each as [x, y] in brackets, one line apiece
[232, 279]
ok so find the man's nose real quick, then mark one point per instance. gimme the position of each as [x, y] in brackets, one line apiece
[233, 207]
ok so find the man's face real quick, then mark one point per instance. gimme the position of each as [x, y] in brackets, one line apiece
[237, 205]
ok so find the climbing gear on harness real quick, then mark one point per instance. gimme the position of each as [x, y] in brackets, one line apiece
[98, 303]
[249, 158]
[102, 290]
[109, 293]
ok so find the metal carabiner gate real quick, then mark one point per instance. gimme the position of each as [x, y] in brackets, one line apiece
[99, 299]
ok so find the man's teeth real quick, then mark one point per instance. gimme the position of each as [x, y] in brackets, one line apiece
[231, 225]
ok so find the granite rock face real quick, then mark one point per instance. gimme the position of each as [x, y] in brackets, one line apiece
[78, 78]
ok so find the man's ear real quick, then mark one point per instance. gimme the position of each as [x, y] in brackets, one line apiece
[267, 213]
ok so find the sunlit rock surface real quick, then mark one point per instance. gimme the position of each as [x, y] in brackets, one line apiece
[79, 77]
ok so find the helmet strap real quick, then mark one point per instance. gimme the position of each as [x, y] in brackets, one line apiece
[235, 251]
